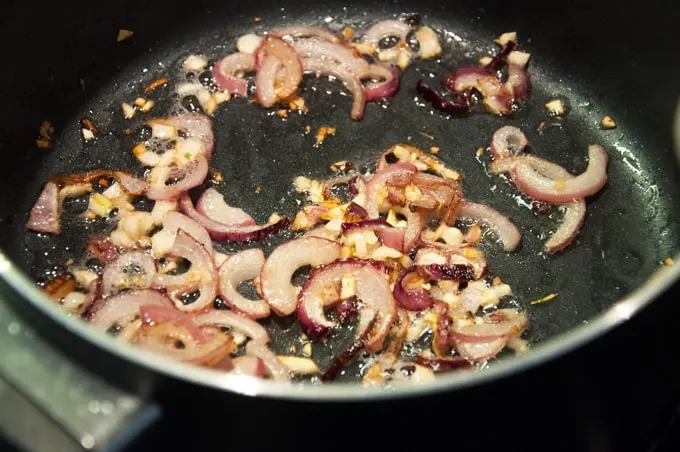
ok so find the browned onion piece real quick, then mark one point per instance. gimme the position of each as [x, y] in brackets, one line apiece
[397, 336]
[228, 73]
[275, 368]
[130, 183]
[231, 232]
[212, 205]
[190, 175]
[385, 29]
[235, 321]
[480, 351]
[529, 179]
[248, 365]
[386, 87]
[411, 299]
[508, 141]
[243, 266]
[441, 330]
[301, 31]
[415, 222]
[335, 53]
[162, 338]
[121, 309]
[275, 278]
[507, 232]
[439, 261]
[44, 215]
[320, 66]
[443, 364]
[135, 270]
[398, 175]
[157, 314]
[372, 288]
[273, 54]
[202, 275]
[502, 324]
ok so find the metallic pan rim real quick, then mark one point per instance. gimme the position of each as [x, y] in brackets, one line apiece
[619, 313]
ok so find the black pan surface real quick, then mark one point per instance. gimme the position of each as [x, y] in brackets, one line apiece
[631, 227]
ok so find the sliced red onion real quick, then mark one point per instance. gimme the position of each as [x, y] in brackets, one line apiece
[334, 53]
[444, 272]
[372, 288]
[121, 309]
[480, 351]
[248, 365]
[322, 232]
[439, 261]
[228, 73]
[275, 278]
[190, 175]
[518, 81]
[94, 295]
[508, 141]
[528, 178]
[238, 268]
[466, 78]
[507, 232]
[103, 249]
[415, 222]
[196, 126]
[443, 364]
[133, 270]
[131, 184]
[301, 31]
[274, 53]
[161, 339]
[392, 237]
[346, 309]
[386, 29]
[44, 215]
[396, 196]
[356, 185]
[157, 314]
[321, 66]
[371, 225]
[460, 105]
[202, 275]
[232, 233]
[174, 221]
[355, 212]
[504, 323]
[212, 205]
[275, 368]
[389, 85]
[234, 321]
[411, 299]
[398, 175]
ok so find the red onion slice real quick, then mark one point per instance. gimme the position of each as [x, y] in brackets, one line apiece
[389, 85]
[135, 270]
[528, 178]
[235, 321]
[335, 53]
[518, 81]
[196, 126]
[386, 29]
[163, 240]
[388, 235]
[507, 232]
[274, 53]
[504, 323]
[44, 215]
[415, 222]
[443, 364]
[508, 141]
[301, 31]
[480, 351]
[156, 314]
[103, 249]
[202, 275]
[162, 338]
[131, 184]
[241, 267]
[321, 66]
[228, 73]
[411, 299]
[275, 368]
[284, 261]
[398, 175]
[466, 78]
[232, 233]
[251, 366]
[372, 289]
[212, 205]
[190, 175]
[122, 308]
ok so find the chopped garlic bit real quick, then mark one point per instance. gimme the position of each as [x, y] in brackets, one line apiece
[221, 97]
[302, 184]
[348, 287]
[156, 84]
[544, 299]
[385, 252]
[608, 122]
[163, 131]
[148, 105]
[347, 33]
[88, 135]
[73, 301]
[100, 205]
[161, 208]
[307, 349]
[128, 110]
[668, 261]
[132, 229]
[123, 34]
[503, 39]
[248, 43]
[434, 150]
[391, 218]
[195, 63]
[365, 49]
[274, 218]
[322, 133]
[342, 165]
[139, 102]
[485, 60]
[452, 236]
[113, 191]
[556, 107]
[429, 43]
[298, 104]
[518, 58]
[479, 152]
[299, 365]
[84, 277]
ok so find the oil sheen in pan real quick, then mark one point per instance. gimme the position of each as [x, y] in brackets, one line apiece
[255, 147]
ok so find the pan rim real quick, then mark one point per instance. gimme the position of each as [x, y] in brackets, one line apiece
[620, 312]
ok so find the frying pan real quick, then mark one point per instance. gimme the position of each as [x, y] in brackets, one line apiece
[69, 66]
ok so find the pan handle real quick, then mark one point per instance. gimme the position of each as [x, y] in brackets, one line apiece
[49, 403]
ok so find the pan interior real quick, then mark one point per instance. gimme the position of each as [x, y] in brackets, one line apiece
[631, 226]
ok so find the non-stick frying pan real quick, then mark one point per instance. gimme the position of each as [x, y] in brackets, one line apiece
[69, 66]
